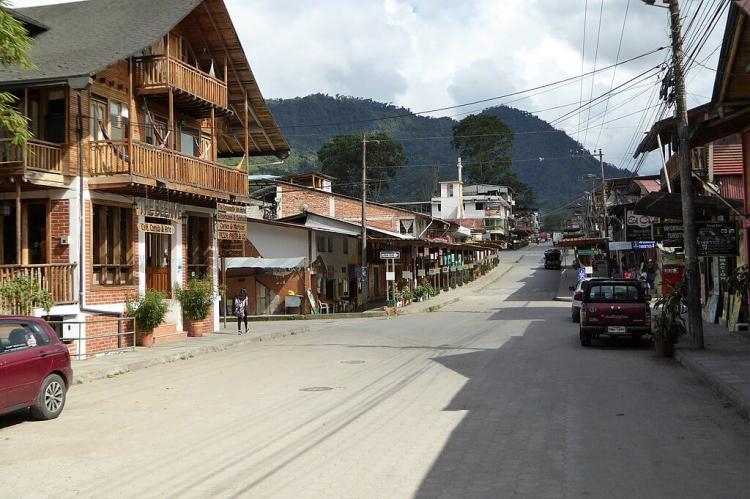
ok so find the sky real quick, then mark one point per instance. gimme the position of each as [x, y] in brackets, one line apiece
[428, 54]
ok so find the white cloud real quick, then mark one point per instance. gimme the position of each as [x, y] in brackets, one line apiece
[424, 54]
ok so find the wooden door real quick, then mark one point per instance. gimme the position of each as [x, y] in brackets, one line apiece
[158, 262]
[262, 299]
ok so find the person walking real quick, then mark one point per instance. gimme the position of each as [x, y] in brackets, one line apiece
[650, 270]
[240, 309]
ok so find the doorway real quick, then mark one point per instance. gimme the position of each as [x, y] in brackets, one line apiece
[158, 262]
[34, 247]
[262, 299]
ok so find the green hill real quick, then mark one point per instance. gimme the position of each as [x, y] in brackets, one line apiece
[555, 179]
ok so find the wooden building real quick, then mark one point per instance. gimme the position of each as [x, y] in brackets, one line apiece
[131, 105]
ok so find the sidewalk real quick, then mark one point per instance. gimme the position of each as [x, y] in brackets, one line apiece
[111, 365]
[568, 277]
[724, 365]
[108, 366]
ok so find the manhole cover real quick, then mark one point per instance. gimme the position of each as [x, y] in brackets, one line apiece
[352, 361]
[316, 389]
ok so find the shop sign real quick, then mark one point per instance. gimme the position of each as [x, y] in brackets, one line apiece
[231, 222]
[586, 252]
[406, 274]
[620, 245]
[390, 276]
[445, 270]
[420, 273]
[638, 227]
[390, 255]
[669, 234]
[156, 208]
[231, 226]
[723, 268]
[156, 228]
[225, 235]
[717, 238]
[644, 245]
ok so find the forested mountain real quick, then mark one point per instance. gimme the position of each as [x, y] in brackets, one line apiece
[555, 179]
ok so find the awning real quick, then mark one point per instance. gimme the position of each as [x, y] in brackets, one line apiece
[669, 205]
[297, 262]
[582, 242]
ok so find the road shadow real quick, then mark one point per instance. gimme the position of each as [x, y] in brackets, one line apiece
[15, 418]
[545, 417]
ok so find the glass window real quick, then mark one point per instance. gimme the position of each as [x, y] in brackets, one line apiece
[98, 119]
[19, 336]
[479, 206]
[450, 190]
[346, 245]
[330, 245]
[320, 244]
[198, 247]
[112, 245]
[615, 292]
[118, 120]
[189, 143]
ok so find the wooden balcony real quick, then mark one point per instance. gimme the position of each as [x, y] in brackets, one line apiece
[40, 157]
[183, 173]
[55, 278]
[698, 161]
[195, 91]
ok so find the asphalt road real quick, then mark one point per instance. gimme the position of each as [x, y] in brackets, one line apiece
[490, 397]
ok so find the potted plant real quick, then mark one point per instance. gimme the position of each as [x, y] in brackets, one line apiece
[196, 300]
[419, 292]
[22, 295]
[406, 294]
[668, 324]
[148, 311]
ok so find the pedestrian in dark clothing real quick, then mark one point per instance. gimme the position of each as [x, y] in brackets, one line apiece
[240, 309]
[650, 269]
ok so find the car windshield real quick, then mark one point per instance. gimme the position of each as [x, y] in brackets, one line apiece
[615, 292]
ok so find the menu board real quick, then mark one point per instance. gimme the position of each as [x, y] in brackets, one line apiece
[669, 234]
[717, 238]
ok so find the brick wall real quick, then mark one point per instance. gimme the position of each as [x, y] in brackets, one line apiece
[101, 334]
[59, 226]
[98, 294]
[293, 197]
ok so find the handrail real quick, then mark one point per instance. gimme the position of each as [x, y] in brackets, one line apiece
[160, 71]
[40, 155]
[55, 278]
[109, 158]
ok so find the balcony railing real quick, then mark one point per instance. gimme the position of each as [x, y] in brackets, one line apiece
[57, 279]
[159, 72]
[40, 155]
[112, 158]
[698, 161]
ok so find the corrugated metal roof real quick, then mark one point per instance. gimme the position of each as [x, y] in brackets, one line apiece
[649, 185]
[730, 186]
[727, 159]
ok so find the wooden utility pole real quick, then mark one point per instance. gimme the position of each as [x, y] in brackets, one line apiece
[692, 276]
[604, 196]
[364, 278]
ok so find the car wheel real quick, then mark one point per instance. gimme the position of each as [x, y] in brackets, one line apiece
[585, 338]
[51, 398]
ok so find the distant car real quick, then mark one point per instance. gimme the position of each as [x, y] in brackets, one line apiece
[552, 259]
[35, 368]
[614, 307]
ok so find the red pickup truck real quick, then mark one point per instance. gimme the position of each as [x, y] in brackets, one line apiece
[615, 307]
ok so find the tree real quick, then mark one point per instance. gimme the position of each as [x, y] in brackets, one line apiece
[342, 158]
[15, 45]
[524, 195]
[484, 143]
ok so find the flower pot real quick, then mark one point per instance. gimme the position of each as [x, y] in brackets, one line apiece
[196, 329]
[145, 339]
[664, 348]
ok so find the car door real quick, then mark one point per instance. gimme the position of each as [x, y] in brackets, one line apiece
[26, 362]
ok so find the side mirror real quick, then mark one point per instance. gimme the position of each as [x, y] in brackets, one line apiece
[571, 288]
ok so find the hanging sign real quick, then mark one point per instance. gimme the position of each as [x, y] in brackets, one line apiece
[155, 228]
[231, 222]
[420, 273]
[717, 238]
[390, 276]
[156, 208]
[390, 255]
[406, 274]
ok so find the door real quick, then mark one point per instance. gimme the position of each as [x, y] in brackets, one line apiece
[262, 299]
[158, 262]
[24, 363]
[34, 245]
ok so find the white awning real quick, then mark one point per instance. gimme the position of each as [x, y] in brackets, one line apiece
[297, 262]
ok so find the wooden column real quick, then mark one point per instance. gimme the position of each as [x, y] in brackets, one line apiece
[25, 151]
[18, 221]
[131, 111]
[247, 137]
[170, 126]
[214, 142]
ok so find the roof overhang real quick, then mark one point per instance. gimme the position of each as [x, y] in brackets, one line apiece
[669, 205]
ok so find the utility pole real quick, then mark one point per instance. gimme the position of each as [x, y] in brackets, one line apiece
[364, 278]
[604, 196]
[692, 277]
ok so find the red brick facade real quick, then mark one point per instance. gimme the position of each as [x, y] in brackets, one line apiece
[102, 333]
[59, 216]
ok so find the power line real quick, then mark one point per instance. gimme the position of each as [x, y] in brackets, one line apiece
[583, 59]
[596, 55]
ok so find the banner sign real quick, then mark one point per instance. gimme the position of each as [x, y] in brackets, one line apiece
[156, 228]
[156, 208]
[717, 238]
[231, 222]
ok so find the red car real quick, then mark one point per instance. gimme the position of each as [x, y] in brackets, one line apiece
[35, 367]
[614, 307]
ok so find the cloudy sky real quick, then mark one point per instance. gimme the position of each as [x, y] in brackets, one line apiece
[427, 54]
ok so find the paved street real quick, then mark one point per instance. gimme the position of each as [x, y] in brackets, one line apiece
[490, 397]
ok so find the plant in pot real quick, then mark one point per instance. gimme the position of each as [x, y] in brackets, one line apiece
[406, 295]
[419, 292]
[668, 324]
[22, 295]
[196, 300]
[739, 284]
[148, 310]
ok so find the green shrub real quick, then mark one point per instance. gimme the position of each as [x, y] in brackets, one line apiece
[21, 294]
[196, 298]
[148, 310]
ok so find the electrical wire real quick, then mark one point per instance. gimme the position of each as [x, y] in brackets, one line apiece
[596, 55]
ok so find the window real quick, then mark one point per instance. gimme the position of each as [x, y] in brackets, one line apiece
[615, 292]
[346, 245]
[406, 226]
[479, 206]
[450, 190]
[98, 119]
[19, 336]
[320, 243]
[118, 120]
[161, 129]
[112, 245]
[189, 141]
[330, 245]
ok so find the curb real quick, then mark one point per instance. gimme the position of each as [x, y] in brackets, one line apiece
[188, 353]
[725, 390]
